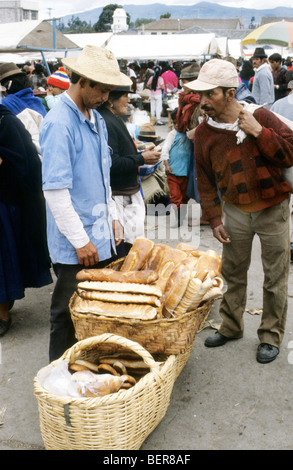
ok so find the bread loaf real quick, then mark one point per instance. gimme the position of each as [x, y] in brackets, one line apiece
[137, 255]
[189, 250]
[197, 292]
[103, 385]
[215, 290]
[110, 309]
[184, 305]
[104, 274]
[210, 263]
[163, 260]
[177, 285]
[120, 287]
[121, 297]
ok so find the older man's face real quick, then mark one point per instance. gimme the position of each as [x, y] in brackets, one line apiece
[258, 61]
[213, 103]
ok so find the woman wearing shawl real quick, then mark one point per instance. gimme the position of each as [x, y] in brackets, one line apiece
[188, 118]
[24, 259]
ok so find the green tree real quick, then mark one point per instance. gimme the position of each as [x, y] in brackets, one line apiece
[76, 25]
[166, 15]
[140, 21]
[106, 18]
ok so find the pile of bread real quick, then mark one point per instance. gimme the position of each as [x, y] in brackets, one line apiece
[108, 374]
[154, 281]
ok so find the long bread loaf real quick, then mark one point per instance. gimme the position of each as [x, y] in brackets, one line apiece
[111, 309]
[120, 287]
[110, 275]
[121, 297]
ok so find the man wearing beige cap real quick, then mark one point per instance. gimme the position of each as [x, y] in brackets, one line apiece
[82, 227]
[241, 155]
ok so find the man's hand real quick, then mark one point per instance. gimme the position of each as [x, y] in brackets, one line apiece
[118, 232]
[249, 124]
[88, 255]
[221, 234]
[151, 157]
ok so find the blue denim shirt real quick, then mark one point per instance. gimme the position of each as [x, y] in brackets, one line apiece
[76, 156]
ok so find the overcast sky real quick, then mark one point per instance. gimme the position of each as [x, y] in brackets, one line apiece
[57, 8]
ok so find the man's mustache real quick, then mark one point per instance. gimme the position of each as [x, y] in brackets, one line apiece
[206, 108]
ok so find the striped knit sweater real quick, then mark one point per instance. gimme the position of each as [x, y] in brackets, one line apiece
[248, 175]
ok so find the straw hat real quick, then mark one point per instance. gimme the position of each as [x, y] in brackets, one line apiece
[99, 65]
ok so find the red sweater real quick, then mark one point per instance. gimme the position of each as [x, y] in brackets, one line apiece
[248, 175]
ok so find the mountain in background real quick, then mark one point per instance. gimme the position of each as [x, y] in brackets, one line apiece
[200, 10]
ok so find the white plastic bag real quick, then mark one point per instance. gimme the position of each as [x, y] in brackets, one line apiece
[58, 380]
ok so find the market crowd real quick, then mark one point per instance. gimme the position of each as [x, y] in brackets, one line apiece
[71, 187]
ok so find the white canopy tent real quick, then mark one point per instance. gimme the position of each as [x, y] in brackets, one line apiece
[160, 47]
[32, 40]
[148, 47]
[87, 39]
[26, 36]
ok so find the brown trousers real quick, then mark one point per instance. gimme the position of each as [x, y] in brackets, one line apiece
[272, 227]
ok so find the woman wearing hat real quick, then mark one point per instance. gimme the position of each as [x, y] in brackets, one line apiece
[20, 95]
[126, 160]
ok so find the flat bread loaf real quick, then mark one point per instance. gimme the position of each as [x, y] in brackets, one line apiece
[111, 309]
[105, 274]
[121, 297]
[120, 287]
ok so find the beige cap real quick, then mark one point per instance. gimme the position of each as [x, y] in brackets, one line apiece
[213, 74]
[99, 65]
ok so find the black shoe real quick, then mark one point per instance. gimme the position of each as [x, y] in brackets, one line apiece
[4, 326]
[216, 340]
[266, 353]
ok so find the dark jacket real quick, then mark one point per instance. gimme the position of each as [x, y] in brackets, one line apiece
[21, 188]
[126, 160]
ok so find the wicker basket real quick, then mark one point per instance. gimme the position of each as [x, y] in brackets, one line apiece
[120, 421]
[159, 336]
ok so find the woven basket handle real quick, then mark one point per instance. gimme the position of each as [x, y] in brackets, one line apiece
[71, 353]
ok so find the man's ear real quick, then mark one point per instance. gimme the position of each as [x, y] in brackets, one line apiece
[230, 94]
[82, 82]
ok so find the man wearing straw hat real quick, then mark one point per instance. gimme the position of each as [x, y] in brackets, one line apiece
[81, 222]
[242, 154]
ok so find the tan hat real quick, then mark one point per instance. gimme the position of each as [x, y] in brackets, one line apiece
[147, 132]
[99, 65]
[215, 73]
[190, 70]
[8, 69]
